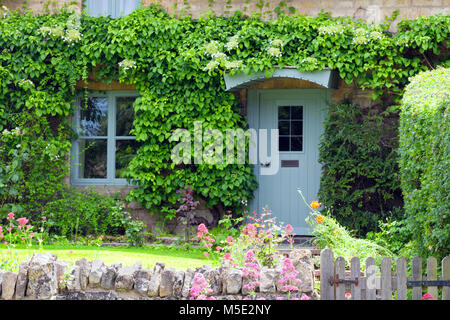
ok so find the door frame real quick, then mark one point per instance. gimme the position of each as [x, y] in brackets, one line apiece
[254, 99]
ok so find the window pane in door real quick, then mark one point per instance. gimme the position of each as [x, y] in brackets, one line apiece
[125, 7]
[99, 8]
[124, 115]
[94, 117]
[296, 144]
[93, 158]
[125, 151]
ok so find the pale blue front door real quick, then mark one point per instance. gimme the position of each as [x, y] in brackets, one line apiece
[298, 115]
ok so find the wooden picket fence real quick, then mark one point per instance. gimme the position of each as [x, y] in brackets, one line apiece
[338, 284]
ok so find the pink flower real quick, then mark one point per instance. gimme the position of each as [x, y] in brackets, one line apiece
[348, 296]
[31, 235]
[227, 256]
[2, 235]
[218, 248]
[23, 239]
[199, 235]
[289, 228]
[427, 296]
[11, 215]
[305, 297]
[202, 228]
[206, 254]
[22, 221]
[44, 218]
[9, 229]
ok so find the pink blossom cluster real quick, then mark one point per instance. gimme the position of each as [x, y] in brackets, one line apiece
[23, 229]
[206, 239]
[251, 271]
[289, 277]
[200, 288]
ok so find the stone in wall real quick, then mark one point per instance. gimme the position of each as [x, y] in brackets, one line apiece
[108, 278]
[167, 282]
[188, 278]
[125, 277]
[142, 281]
[232, 281]
[42, 281]
[155, 280]
[178, 282]
[22, 280]
[9, 280]
[303, 262]
[97, 270]
[85, 268]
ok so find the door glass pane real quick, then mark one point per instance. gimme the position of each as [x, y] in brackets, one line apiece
[296, 128]
[125, 7]
[99, 8]
[283, 127]
[284, 113]
[290, 126]
[296, 144]
[93, 158]
[284, 143]
[125, 151]
[124, 115]
[94, 117]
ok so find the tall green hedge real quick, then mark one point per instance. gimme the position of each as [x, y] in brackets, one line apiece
[360, 184]
[425, 159]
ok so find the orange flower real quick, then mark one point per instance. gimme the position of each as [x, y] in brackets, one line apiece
[319, 219]
[315, 204]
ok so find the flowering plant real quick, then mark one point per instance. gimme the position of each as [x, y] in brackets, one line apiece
[200, 288]
[251, 273]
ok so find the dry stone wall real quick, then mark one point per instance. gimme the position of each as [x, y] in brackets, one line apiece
[41, 278]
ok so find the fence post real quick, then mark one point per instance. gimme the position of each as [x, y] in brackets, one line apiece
[326, 273]
[446, 276]
[339, 270]
[355, 270]
[401, 279]
[371, 272]
[386, 279]
[432, 275]
[417, 276]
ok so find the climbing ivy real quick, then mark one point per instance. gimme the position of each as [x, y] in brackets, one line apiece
[177, 65]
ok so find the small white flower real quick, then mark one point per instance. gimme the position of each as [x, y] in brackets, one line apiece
[233, 65]
[127, 64]
[212, 65]
[277, 43]
[212, 48]
[274, 52]
[232, 43]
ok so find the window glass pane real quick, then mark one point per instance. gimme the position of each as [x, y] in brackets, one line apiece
[124, 115]
[93, 158]
[125, 151]
[283, 144]
[296, 128]
[296, 144]
[94, 117]
[284, 113]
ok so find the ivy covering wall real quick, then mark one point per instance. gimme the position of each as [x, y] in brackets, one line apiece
[177, 65]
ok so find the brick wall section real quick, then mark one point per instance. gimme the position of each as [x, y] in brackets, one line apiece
[372, 10]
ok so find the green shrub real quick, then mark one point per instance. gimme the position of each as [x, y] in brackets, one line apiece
[82, 213]
[424, 147]
[328, 233]
[360, 183]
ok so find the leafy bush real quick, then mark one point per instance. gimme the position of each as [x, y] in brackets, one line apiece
[360, 182]
[425, 160]
[82, 213]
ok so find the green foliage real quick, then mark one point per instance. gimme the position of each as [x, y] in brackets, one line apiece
[424, 147]
[82, 213]
[360, 182]
[328, 233]
[166, 58]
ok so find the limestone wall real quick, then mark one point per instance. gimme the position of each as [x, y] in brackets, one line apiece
[43, 277]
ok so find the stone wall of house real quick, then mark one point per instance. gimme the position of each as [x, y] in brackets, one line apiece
[372, 10]
[41, 278]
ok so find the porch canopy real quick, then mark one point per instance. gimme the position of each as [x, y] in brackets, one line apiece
[326, 78]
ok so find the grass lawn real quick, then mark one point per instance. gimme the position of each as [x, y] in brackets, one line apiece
[172, 257]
